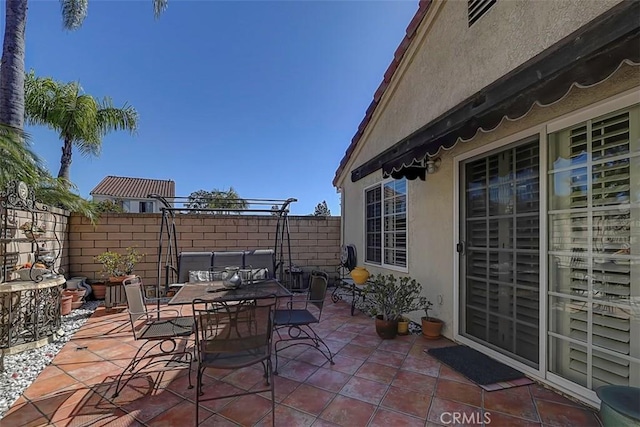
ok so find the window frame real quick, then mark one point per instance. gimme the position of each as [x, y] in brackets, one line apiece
[382, 264]
[146, 203]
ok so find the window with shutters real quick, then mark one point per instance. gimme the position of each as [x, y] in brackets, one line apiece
[477, 8]
[502, 260]
[386, 224]
[594, 251]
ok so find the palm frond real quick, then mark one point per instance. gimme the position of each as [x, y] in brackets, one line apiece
[159, 6]
[17, 159]
[111, 118]
[73, 13]
[82, 121]
[59, 192]
[39, 96]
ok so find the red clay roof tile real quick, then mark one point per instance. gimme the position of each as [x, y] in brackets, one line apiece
[134, 188]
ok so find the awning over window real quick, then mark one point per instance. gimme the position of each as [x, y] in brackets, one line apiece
[406, 167]
[584, 58]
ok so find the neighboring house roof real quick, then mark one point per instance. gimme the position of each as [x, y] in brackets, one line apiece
[423, 6]
[134, 188]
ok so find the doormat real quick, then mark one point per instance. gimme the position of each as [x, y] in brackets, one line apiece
[488, 373]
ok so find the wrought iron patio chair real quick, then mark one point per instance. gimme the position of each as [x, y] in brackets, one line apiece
[233, 335]
[162, 334]
[298, 317]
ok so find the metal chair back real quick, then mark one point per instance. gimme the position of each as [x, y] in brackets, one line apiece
[317, 291]
[233, 334]
[135, 300]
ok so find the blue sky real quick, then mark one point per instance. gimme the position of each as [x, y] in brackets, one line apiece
[262, 96]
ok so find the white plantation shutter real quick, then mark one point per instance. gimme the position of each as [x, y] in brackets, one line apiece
[595, 242]
[386, 223]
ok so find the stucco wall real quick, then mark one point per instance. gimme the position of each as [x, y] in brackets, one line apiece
[315, 241]
[448, 62]
[431, 212]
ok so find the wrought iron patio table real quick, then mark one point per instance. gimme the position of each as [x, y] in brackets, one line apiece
[347, 287]
[215, 291]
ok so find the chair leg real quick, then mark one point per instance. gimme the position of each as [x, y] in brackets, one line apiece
[142, 354]
[273, 394]
[199, 386]
[318, 340]
[198, 391]
[135, 360]
[275, 351]
[189, 373]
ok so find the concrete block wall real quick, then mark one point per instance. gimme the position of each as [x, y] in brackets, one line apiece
[315, 241]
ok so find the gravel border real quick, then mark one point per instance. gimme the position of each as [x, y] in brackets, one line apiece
[21, 369]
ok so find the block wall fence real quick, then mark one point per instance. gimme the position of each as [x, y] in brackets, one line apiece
[315, 241]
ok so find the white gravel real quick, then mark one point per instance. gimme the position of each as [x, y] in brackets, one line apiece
[21, 369]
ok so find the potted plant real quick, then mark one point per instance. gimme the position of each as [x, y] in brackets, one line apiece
[118, 266]
[431, 326]
[389, 299]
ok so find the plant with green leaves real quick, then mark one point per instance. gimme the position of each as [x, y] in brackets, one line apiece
[426, 308]
[20, 163]
[115, 264]
[108, 206]
[390, 297]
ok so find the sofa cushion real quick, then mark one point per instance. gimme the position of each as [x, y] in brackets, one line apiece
[199, 276]
[228, 259]
[192, 261]
[260, 259]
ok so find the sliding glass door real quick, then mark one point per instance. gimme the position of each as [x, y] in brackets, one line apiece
[500, 274]
[594, 251]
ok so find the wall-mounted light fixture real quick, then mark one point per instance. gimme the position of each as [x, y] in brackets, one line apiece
[433, 164]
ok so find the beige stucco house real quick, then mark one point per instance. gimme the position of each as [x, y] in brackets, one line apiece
[499, 164]
[132, 194]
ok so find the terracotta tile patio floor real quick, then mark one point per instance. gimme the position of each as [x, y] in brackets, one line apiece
[373, 383]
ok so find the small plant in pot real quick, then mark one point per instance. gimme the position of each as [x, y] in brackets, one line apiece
[431, 326]
[389, 298]
[118, 266]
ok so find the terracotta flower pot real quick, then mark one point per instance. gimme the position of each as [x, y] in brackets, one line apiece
[359, 275]
[386, 329]
[99, 290]
[65, 305]
[76, 294]
[431, 328]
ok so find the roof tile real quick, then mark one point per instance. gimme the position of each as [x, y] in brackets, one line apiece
[137, 188]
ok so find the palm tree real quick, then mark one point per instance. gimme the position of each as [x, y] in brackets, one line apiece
[13, 48]
[79, 119]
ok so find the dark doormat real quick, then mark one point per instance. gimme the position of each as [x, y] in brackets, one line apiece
[474, 365]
